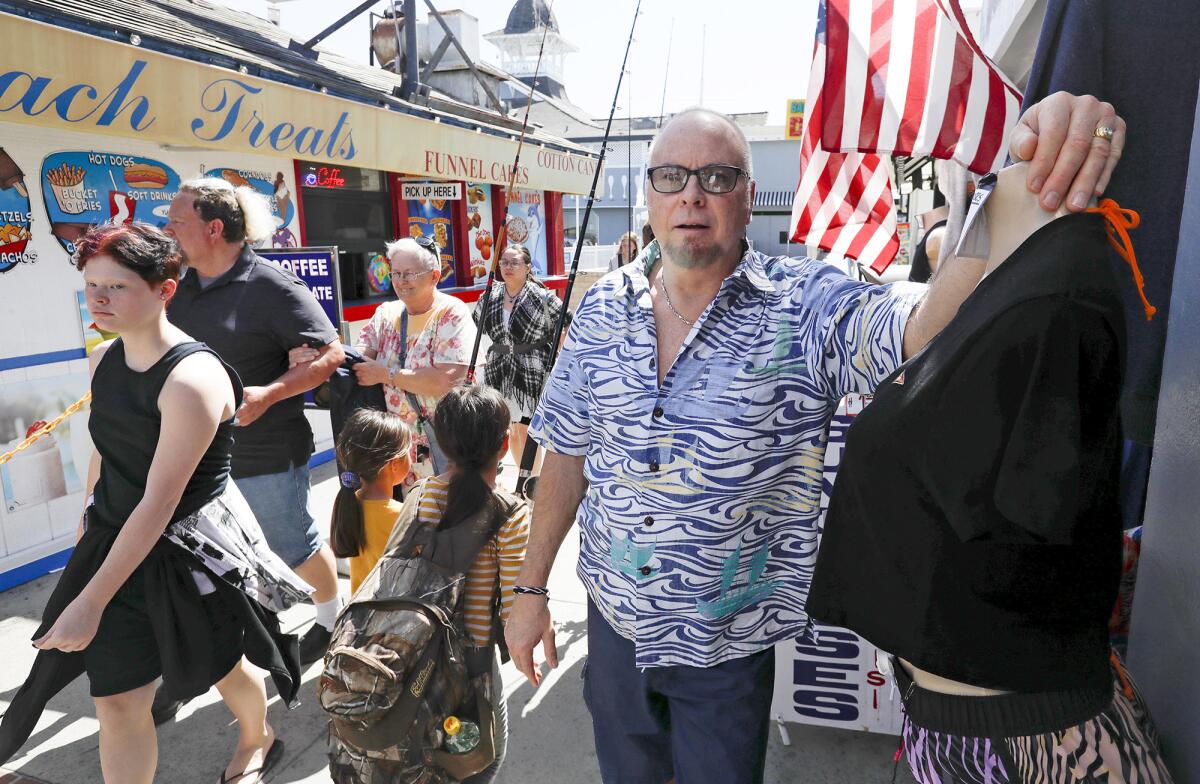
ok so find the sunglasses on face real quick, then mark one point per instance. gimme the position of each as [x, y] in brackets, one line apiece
[714, 178]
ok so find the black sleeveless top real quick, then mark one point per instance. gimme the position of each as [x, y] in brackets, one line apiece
[124, 425]
[974, 527]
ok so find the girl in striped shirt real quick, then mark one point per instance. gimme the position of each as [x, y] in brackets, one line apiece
[471, 425]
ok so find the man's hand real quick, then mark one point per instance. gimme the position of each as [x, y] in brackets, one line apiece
[255, 402]
[528, 624]
[302, 355]
[74, 629]
[369, 372]
[1058, 137]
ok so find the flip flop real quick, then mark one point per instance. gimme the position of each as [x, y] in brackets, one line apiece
[274, 754]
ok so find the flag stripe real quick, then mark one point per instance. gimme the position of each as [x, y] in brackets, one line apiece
[857, 68]
[834, 93]
[932, 99]
[957, 94]
[878, 64]
[901, 65]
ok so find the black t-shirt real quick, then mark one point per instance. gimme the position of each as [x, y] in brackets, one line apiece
[974, 527]
[125, 424]
[252, 316]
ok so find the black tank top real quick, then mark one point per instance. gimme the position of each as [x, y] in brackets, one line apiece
[124, 425]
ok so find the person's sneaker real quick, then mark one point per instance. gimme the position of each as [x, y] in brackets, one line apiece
[314, 643]
[164, 708]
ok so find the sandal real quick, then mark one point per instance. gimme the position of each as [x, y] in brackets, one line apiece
[274, 754]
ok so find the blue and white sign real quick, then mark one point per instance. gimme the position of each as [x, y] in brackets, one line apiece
[318, 268]
[832, 679]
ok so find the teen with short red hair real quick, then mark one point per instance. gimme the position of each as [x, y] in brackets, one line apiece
[170, 575]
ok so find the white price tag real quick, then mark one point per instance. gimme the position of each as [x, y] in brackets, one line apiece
[973, 242]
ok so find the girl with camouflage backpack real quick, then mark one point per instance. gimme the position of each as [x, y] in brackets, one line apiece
[414, 654]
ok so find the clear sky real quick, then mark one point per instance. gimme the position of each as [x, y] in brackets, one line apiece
[754, 54]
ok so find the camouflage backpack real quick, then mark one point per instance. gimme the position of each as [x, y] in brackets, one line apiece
[400, 659]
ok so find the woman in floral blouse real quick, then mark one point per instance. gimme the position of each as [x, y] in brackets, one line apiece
[418, 371]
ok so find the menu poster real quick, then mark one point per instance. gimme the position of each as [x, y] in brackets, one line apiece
[903, 234]
[83, 189]
[479, 230]
[15, 215]
[432, 218]
[527, 226]
[275, 188]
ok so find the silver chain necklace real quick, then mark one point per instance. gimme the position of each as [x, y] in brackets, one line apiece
[662, 285]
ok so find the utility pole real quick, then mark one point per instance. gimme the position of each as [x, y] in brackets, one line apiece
[412, 59]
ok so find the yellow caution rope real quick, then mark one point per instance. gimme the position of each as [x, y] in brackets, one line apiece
[47, 428]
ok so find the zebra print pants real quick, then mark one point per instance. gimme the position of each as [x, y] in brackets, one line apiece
[1117, 745]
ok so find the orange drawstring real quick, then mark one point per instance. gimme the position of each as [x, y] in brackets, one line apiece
[1117, 222]
[1126, 686]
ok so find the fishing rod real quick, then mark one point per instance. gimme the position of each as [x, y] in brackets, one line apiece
[502, 235]
[529, 453]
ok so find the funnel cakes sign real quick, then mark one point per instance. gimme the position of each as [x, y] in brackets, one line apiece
[15, 216]
[82, 189]
[58, 78]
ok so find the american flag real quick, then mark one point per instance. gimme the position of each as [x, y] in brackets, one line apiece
[901, 77]
[906, 77]
[844, 201]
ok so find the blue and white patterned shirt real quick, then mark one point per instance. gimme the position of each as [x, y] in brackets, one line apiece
[699, 525]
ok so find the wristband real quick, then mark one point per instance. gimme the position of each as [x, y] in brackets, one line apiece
[525, 589]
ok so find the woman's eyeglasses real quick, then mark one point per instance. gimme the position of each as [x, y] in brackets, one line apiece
[404, 277]
[512, 264]
[715, 178]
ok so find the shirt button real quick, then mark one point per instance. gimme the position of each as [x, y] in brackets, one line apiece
[648, 521]
[654, 466]
[645, 570]
[658, 411]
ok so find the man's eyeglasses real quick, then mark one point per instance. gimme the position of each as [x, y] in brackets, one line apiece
[714, 178]
[404, 277]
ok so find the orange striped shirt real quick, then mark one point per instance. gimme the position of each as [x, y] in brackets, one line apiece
[500, 559]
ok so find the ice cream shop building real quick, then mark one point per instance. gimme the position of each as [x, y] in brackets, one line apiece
[106, 106]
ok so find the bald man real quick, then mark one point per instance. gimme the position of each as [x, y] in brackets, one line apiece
[685, 426]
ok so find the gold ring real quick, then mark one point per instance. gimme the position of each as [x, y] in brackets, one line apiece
[1103, 132]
